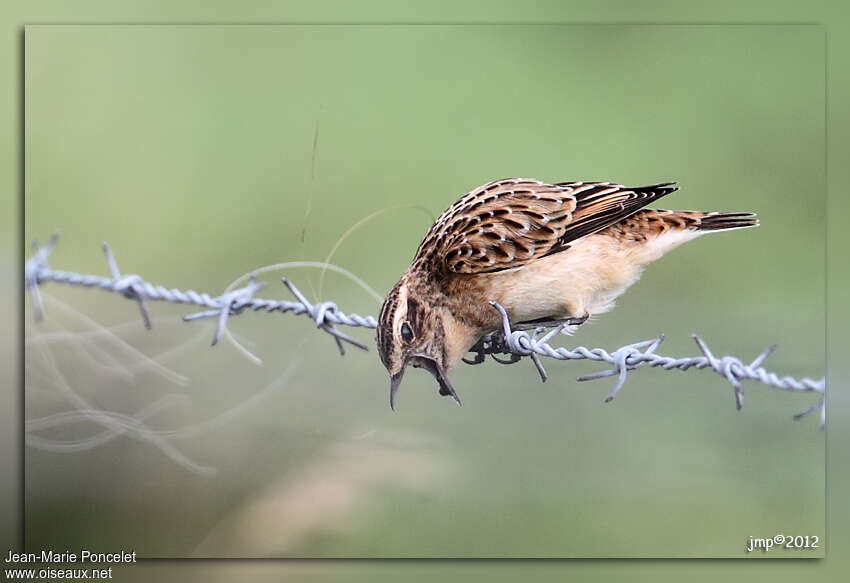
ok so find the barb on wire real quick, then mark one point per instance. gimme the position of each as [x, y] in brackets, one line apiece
[32, 272]
[126, 284]
[508, 342]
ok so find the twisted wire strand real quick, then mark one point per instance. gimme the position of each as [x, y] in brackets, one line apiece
[515, 344]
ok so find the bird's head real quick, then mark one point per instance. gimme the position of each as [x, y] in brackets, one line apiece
[412, 331]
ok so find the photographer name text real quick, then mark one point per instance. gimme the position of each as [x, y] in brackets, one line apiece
[65, 557]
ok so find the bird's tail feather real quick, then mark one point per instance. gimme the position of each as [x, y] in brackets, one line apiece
[726, 221]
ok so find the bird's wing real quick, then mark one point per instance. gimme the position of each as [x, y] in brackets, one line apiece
[509, 223]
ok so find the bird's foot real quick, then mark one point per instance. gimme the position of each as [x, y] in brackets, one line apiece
[495, 343]
[478, 350]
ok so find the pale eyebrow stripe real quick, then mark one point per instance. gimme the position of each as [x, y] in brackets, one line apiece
[402, 301]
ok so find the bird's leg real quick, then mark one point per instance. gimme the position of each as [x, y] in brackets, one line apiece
[550, 322]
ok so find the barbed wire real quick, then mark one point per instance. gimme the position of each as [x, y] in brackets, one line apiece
[514, 344]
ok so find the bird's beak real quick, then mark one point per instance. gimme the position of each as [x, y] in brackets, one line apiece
[431, 366]
[395, 381]
[446, 387]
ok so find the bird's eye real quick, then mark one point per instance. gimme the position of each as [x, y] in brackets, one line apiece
[406, 332]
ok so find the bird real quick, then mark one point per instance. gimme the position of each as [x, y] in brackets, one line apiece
[549, 254]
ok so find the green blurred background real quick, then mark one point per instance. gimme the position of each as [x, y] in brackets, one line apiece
[831, 15]
[200, 153]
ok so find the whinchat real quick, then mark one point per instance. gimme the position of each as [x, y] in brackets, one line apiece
[548, 253]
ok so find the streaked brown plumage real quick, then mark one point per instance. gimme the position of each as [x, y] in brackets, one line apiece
[546, 252]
